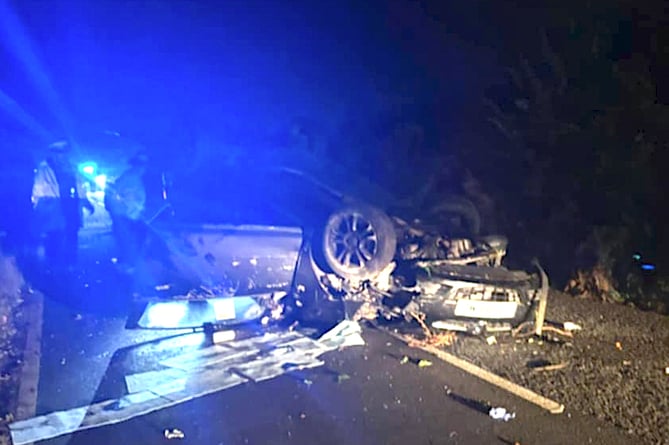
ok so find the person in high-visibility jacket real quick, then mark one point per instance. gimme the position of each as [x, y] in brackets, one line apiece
[58, 205]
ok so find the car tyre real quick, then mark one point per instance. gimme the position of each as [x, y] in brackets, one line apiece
[359, 241]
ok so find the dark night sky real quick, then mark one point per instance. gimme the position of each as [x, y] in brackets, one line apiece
[234, 67]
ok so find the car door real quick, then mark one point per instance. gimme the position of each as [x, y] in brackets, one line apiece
[224, 234]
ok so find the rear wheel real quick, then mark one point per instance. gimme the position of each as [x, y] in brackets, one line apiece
[359, 241]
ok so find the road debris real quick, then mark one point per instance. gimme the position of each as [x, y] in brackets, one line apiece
[549, 367]
[174, 433]
[189, 376]
[666, 370]
[421, 363]
[500, 413]
[497, 413]
[424, 363]
[619, 346]
[520, 331]
[540, 311]
[524, 393]
[342, 378]
[491, 340]
[569, 326]
[446, 338]
[346, 333]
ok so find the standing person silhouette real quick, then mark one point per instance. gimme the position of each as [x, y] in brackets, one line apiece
[58, 206]
[125, 200]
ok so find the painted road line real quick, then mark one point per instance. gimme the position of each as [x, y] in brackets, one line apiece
[230, 350]
[202, 358]
[295, 353]
[255, 367]
[29, 380]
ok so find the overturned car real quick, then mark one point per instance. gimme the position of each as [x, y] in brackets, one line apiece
[280, 243]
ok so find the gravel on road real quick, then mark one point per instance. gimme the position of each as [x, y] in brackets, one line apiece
[615, 368]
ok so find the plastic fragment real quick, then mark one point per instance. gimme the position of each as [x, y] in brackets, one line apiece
[500, 413]
[422, 363]
[569, 326]
[492, 340]
[342, 377]
[551, 367]
[174, 433]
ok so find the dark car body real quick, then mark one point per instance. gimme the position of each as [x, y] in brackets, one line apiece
[241, 242]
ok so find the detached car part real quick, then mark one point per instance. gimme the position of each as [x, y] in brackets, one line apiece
[311, 248]
[468, 298]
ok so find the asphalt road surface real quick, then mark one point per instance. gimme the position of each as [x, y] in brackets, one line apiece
[360, 395]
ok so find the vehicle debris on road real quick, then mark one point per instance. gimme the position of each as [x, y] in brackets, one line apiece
[545, 365]
[524, 393]
[569, 326]
[174, 433]
[342, 377]
[421, 363]
[499, 413]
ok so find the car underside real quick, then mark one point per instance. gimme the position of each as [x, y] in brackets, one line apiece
[257, 240]
[225, 275]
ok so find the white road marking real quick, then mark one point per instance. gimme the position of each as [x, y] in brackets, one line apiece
[207, 371]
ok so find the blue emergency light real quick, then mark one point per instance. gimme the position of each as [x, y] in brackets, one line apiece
[88, 169]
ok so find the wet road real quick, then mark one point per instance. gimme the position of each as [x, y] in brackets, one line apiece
[361, 395]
